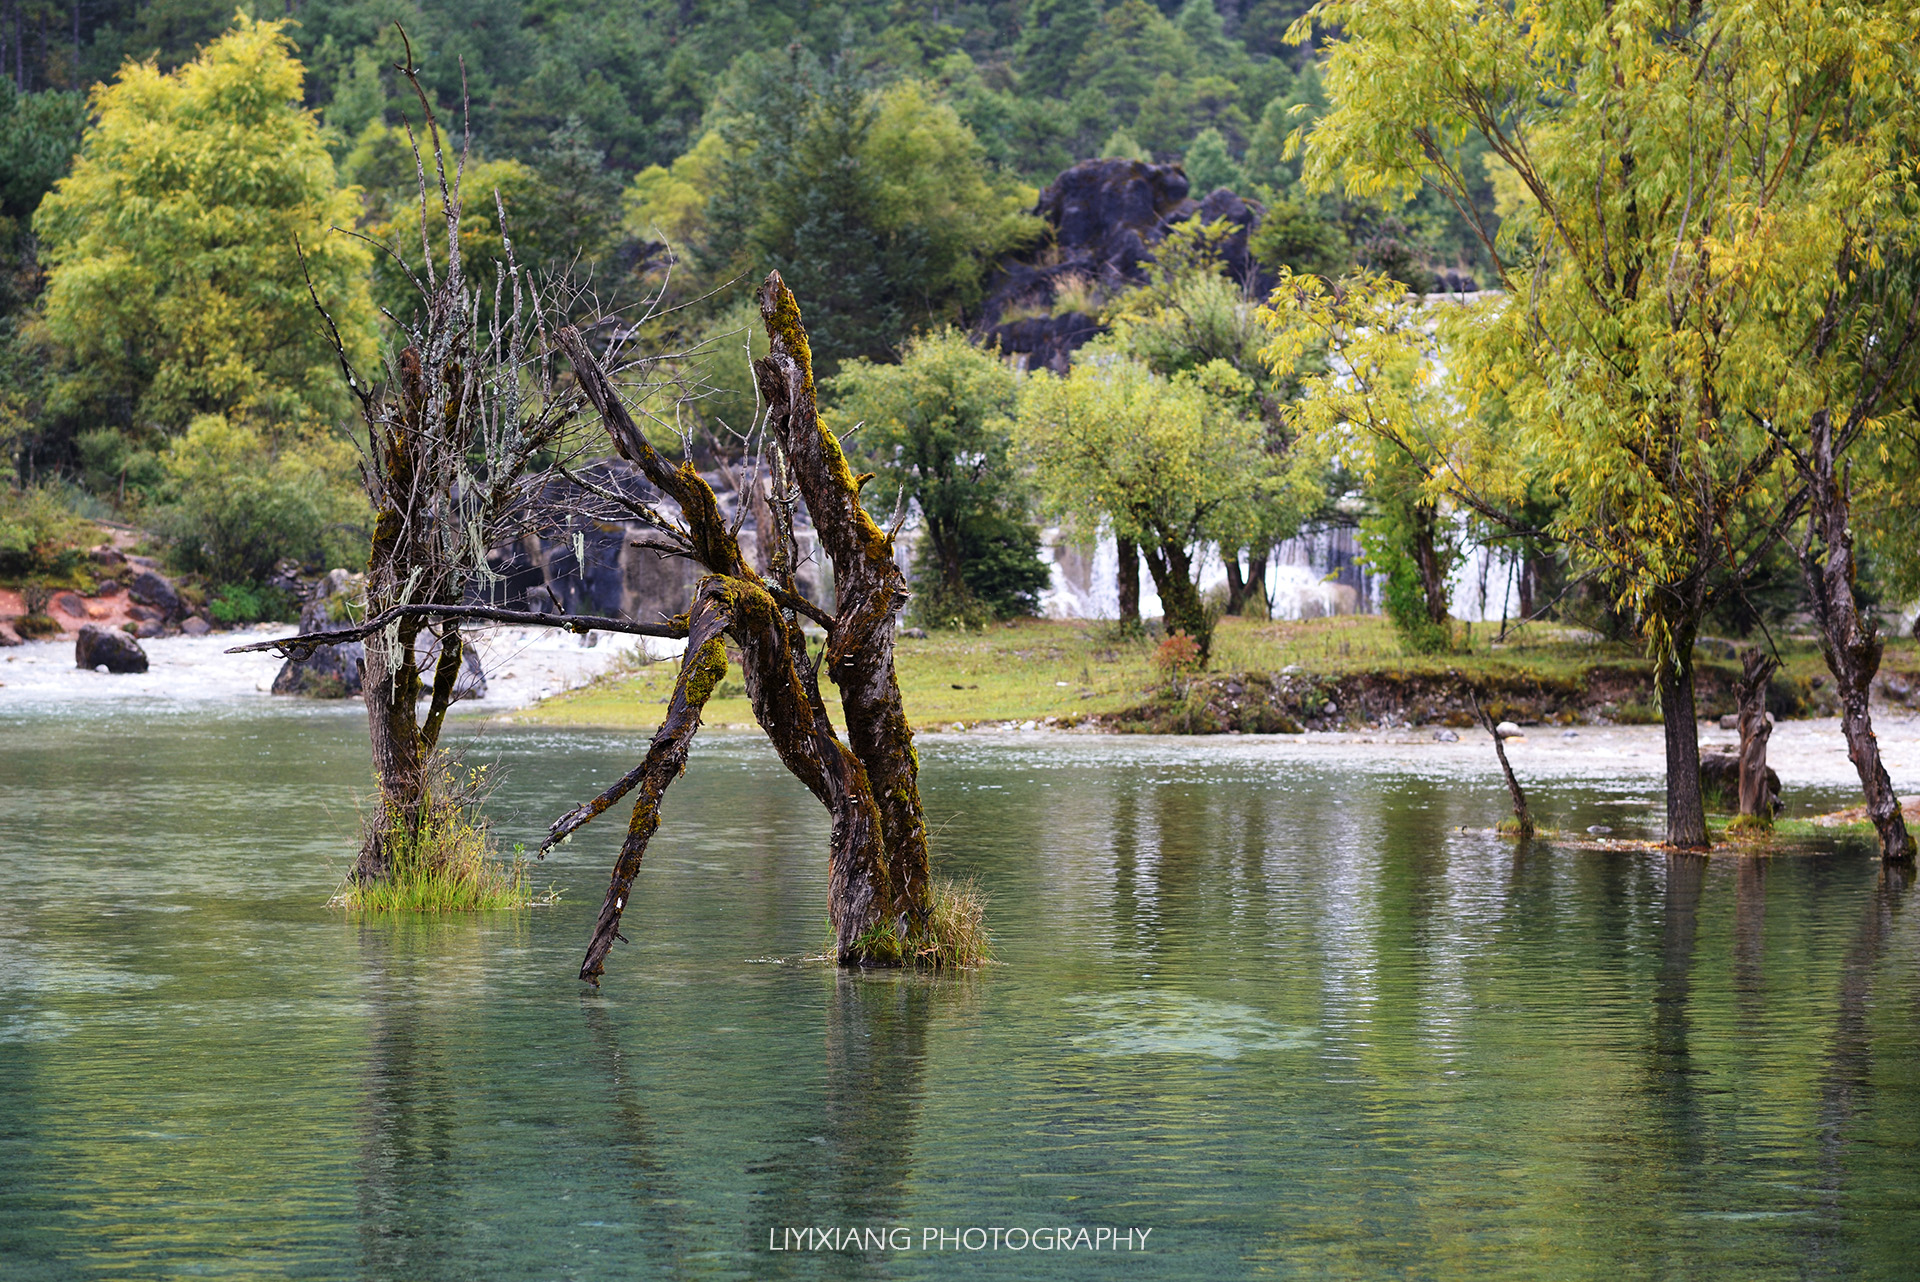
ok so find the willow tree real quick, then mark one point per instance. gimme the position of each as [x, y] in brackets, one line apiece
[1383, 406]
[1652, 161]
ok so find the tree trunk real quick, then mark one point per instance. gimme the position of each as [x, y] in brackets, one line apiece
[1686, 812]
[1172, 570]
[1129, 582]
[879, 899]
[1755, 797]
[1426, 560]
[1236, 584]
[1851, 643]
[1522, 817]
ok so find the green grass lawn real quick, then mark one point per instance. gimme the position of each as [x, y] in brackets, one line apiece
[1034, 669]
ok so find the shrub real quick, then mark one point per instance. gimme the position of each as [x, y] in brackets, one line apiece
[251, 603]
[1178, 654]
[243, 499]
[39, 533]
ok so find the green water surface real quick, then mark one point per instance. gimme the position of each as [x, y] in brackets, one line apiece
[1284, 1014]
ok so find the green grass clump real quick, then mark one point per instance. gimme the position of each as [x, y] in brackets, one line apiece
[448, 863]
[955, 937]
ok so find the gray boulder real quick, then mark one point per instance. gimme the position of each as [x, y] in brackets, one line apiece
[96, 646]
[151, 588]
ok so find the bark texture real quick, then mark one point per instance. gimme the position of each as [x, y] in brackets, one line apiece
[878, 889]
[1850, 641]
[1756, 798]
[1522, 817]
[1686, 809]
[1128, 581]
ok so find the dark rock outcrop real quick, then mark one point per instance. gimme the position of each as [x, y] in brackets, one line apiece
[1105, 217]
[95, 646]
[152, 589]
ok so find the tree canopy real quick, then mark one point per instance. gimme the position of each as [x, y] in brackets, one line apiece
[177, 282]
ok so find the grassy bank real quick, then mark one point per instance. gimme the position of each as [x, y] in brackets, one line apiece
[1264, 677]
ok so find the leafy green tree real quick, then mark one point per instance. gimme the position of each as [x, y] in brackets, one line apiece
[938, 430]
[1665, 309]
[177, 284]
[1374, 399]
[1187, 315]
[1209, 165]
[1167, 463]
[1052, 35]
[876, 205]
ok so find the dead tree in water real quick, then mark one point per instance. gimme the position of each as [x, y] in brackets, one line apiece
[1756, 798]
[880, 902]
[879, 899]
[468, 403]
[1522, 817]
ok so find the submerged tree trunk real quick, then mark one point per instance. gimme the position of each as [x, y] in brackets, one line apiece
[1522, 817]
[1129, 582]
[879, 899]
[1686, 811]
[1756, 798]
[1850, 642]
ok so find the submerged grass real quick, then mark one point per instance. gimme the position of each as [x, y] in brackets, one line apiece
[449, 862]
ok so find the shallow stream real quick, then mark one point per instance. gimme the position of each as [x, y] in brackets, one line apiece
[1283, 1013]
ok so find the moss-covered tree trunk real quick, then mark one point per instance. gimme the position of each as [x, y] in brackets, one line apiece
[403, 568]
[879, 899]
[1171, 565]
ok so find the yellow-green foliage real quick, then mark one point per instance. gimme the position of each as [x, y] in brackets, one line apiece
[39, 534]
[670, 202]
[176, 284]
[243, 498]
[1695, 205]
[1115, 442]
[448, 863]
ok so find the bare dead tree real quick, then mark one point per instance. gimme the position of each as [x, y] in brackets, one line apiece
[1522, 817]
[880, 899]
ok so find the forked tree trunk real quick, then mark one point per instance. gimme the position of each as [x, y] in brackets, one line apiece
[879, 897]
[1756, 797]
[1850, 642]
[1172, 568]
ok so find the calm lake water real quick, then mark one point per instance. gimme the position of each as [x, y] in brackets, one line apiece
[1286, 1015]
